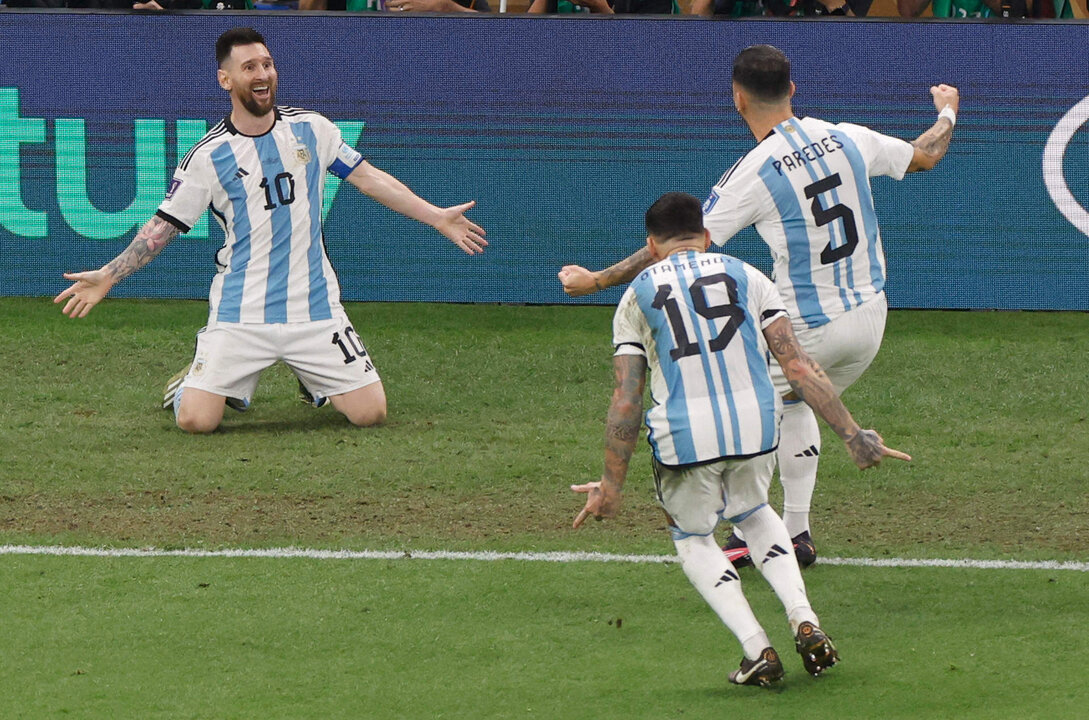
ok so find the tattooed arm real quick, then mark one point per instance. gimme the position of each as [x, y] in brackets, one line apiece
[91, 286]
[578, 281]
[622, 427]
[811, 384]
[930, 147]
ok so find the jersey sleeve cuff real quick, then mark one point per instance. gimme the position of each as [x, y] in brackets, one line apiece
[173, 221]
[770, 316]
[630, 348]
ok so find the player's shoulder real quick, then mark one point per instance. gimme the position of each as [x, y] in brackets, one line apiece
[854, 130]
[746, 165]
[734, 265]
[818, 126]
[216, 136]
[296, 114]
[852, 127]
[628, 307]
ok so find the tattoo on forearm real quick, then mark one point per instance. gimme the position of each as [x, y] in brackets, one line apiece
[935, 141]
[155, 235]
[807, 378]
[625, 417]
[625, 270]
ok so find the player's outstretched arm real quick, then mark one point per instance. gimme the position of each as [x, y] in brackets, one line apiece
[621, 433]
[578, 281]
[90, 287]
[810, 384]
[394, 194]
[930, 147]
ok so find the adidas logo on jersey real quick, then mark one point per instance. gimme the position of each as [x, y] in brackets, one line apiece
[810, 451]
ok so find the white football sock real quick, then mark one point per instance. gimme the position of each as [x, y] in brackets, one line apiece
[799, 449]
[773, 554]
[717, 581]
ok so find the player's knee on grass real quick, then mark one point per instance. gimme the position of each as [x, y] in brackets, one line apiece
[367, 417]
[200, 412]
[197, 423]
[364, 407]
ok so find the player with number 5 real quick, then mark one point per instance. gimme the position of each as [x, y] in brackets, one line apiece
[805, 186]
[275, 296]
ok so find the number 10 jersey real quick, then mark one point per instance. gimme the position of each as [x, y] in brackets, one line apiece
[698, 318]
[806, 188]
[266, 192]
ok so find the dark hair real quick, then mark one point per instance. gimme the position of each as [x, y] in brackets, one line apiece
[675, 214]
[764, 71]
[236, 36]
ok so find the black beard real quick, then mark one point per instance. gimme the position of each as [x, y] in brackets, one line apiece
[251, 104]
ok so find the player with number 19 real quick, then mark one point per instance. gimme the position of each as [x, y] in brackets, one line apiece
[806, 189]
[275, 296]
[704, 324]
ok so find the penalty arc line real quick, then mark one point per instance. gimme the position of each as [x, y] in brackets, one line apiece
[557, 557]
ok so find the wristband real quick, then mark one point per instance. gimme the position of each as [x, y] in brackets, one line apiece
[948, 113]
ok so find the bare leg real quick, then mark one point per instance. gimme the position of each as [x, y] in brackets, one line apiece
[364, 407]
[200, 411]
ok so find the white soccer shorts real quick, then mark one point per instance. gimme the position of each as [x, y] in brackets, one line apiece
[844, 347]
[327, 356]
[698, 497]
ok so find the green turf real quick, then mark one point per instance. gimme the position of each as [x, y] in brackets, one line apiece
[494, 411]
[264, 638]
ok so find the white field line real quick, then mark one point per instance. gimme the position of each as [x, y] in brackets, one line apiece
[560, 557]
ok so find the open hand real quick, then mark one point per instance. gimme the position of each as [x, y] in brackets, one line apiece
[462, 231]
[87, 290]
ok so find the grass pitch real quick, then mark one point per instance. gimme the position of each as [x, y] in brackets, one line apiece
[494, 412]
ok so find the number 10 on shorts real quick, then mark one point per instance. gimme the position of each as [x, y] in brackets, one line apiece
[350, 345]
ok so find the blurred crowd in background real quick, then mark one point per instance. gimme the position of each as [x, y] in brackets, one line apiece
[1056, 9]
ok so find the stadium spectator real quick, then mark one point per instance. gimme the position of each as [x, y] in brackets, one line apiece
[440, 6]
[275, 295]
[193, 5]
[781, 8]
[617, 7]
[987, 8]
[131, 5]
[806, 189]
[703, 323]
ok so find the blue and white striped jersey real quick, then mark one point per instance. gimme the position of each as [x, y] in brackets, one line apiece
[806, 187]
[699, 318]
[266, 192]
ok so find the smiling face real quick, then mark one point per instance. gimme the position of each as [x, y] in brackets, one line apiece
[249, 75]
